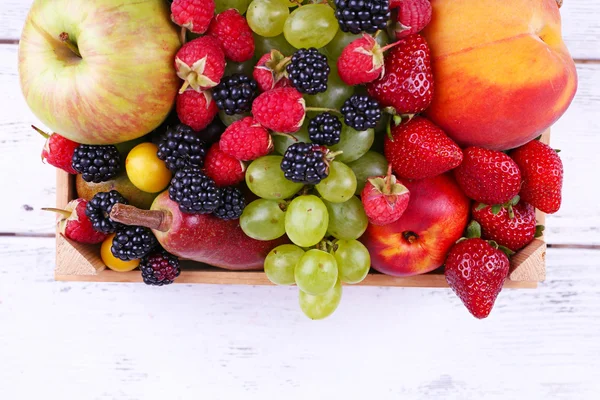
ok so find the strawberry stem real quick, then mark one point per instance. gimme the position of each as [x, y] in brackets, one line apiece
[64, 213]
[41, 132]
[129, 215]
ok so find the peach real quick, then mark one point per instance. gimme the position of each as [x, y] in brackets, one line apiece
[502, 72]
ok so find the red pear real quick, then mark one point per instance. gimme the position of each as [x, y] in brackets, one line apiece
[198, 237]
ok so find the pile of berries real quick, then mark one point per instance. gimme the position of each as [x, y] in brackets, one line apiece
[313, 134]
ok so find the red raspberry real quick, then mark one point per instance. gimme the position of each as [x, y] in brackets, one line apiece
[413, 16]
[58, 151]
[233, 33]
[488, 176]
[194, 15]
[75, 225]
[222, 168]
[384, 199]
[281, 110]
[361, 61]
[200, 63]
[196, 110]
[270, 71]
[246, 140]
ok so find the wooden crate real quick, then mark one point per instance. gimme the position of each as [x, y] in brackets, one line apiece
[78, 262]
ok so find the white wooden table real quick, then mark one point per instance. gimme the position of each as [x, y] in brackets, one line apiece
[128, 341]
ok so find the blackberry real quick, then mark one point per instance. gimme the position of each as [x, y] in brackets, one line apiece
[132, 242]
[232, 204]
[325, 129]
[159, 268]
[308, 71]
[357, 16]
[195, 192]
[235, 94]
[361, 112]
[305, 163]
[96, 163]
[181, 146]
[98, 210]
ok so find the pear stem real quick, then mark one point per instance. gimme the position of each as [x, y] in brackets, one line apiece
[64, 213]
[41, 132]
[64, 38]
[158, 220]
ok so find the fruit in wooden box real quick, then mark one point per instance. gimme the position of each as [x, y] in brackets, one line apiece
[121, 184]
[502, 72]
[198, 237]
[418, 243]
[99, 72]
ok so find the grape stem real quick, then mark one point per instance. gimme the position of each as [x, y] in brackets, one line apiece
[332, 110]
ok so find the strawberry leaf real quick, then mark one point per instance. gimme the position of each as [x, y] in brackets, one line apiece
[480, 207]
[496, 209]
[474, 230]
[539, 231]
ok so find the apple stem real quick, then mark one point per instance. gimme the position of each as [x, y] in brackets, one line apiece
[64, 213]
[64, 38]
[129, 215]
[41, 132]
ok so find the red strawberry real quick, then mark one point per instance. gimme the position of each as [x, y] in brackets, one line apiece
[384, 199]
[246, 140]
[361, 61]
[407, 84]
[196, 110]
[488, 176]
[233, 33]
[542, 173]
[512, 226]
[200, 63]
[419, 149]
[75, 225]
[281, 110]
[270, 71]
[58, 151]
[413, 16]
[194, 15]
[222, 168]
[476, 272]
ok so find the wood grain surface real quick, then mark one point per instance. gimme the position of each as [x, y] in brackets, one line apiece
[82, 340]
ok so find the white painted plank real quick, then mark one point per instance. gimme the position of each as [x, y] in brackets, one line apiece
[581, 24]
[577, 134]
[129, 341]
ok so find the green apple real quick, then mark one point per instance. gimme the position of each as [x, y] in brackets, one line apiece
[99, 72]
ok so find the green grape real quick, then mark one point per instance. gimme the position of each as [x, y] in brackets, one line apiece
[343, 39]
[267, 17]
[282, 142]
[246, 67]
[312, 25]
[316, 272]
[353, 143]
[292, 3]
[265, 179]
[369, 165]
[306, 220]
[353, 260]
[336, 94]
[264, 45]
[347, 220]
[340, 184]
[380, 133]
[281, 263]
[319, 307]
[230, 119]
[222, 5]
[263, 220]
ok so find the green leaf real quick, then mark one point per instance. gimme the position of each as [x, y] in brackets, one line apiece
[539, 231]
[474, 230]
[557, 150]
[496, 209]
[515, 200]
[506, 251]
[480, 207]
